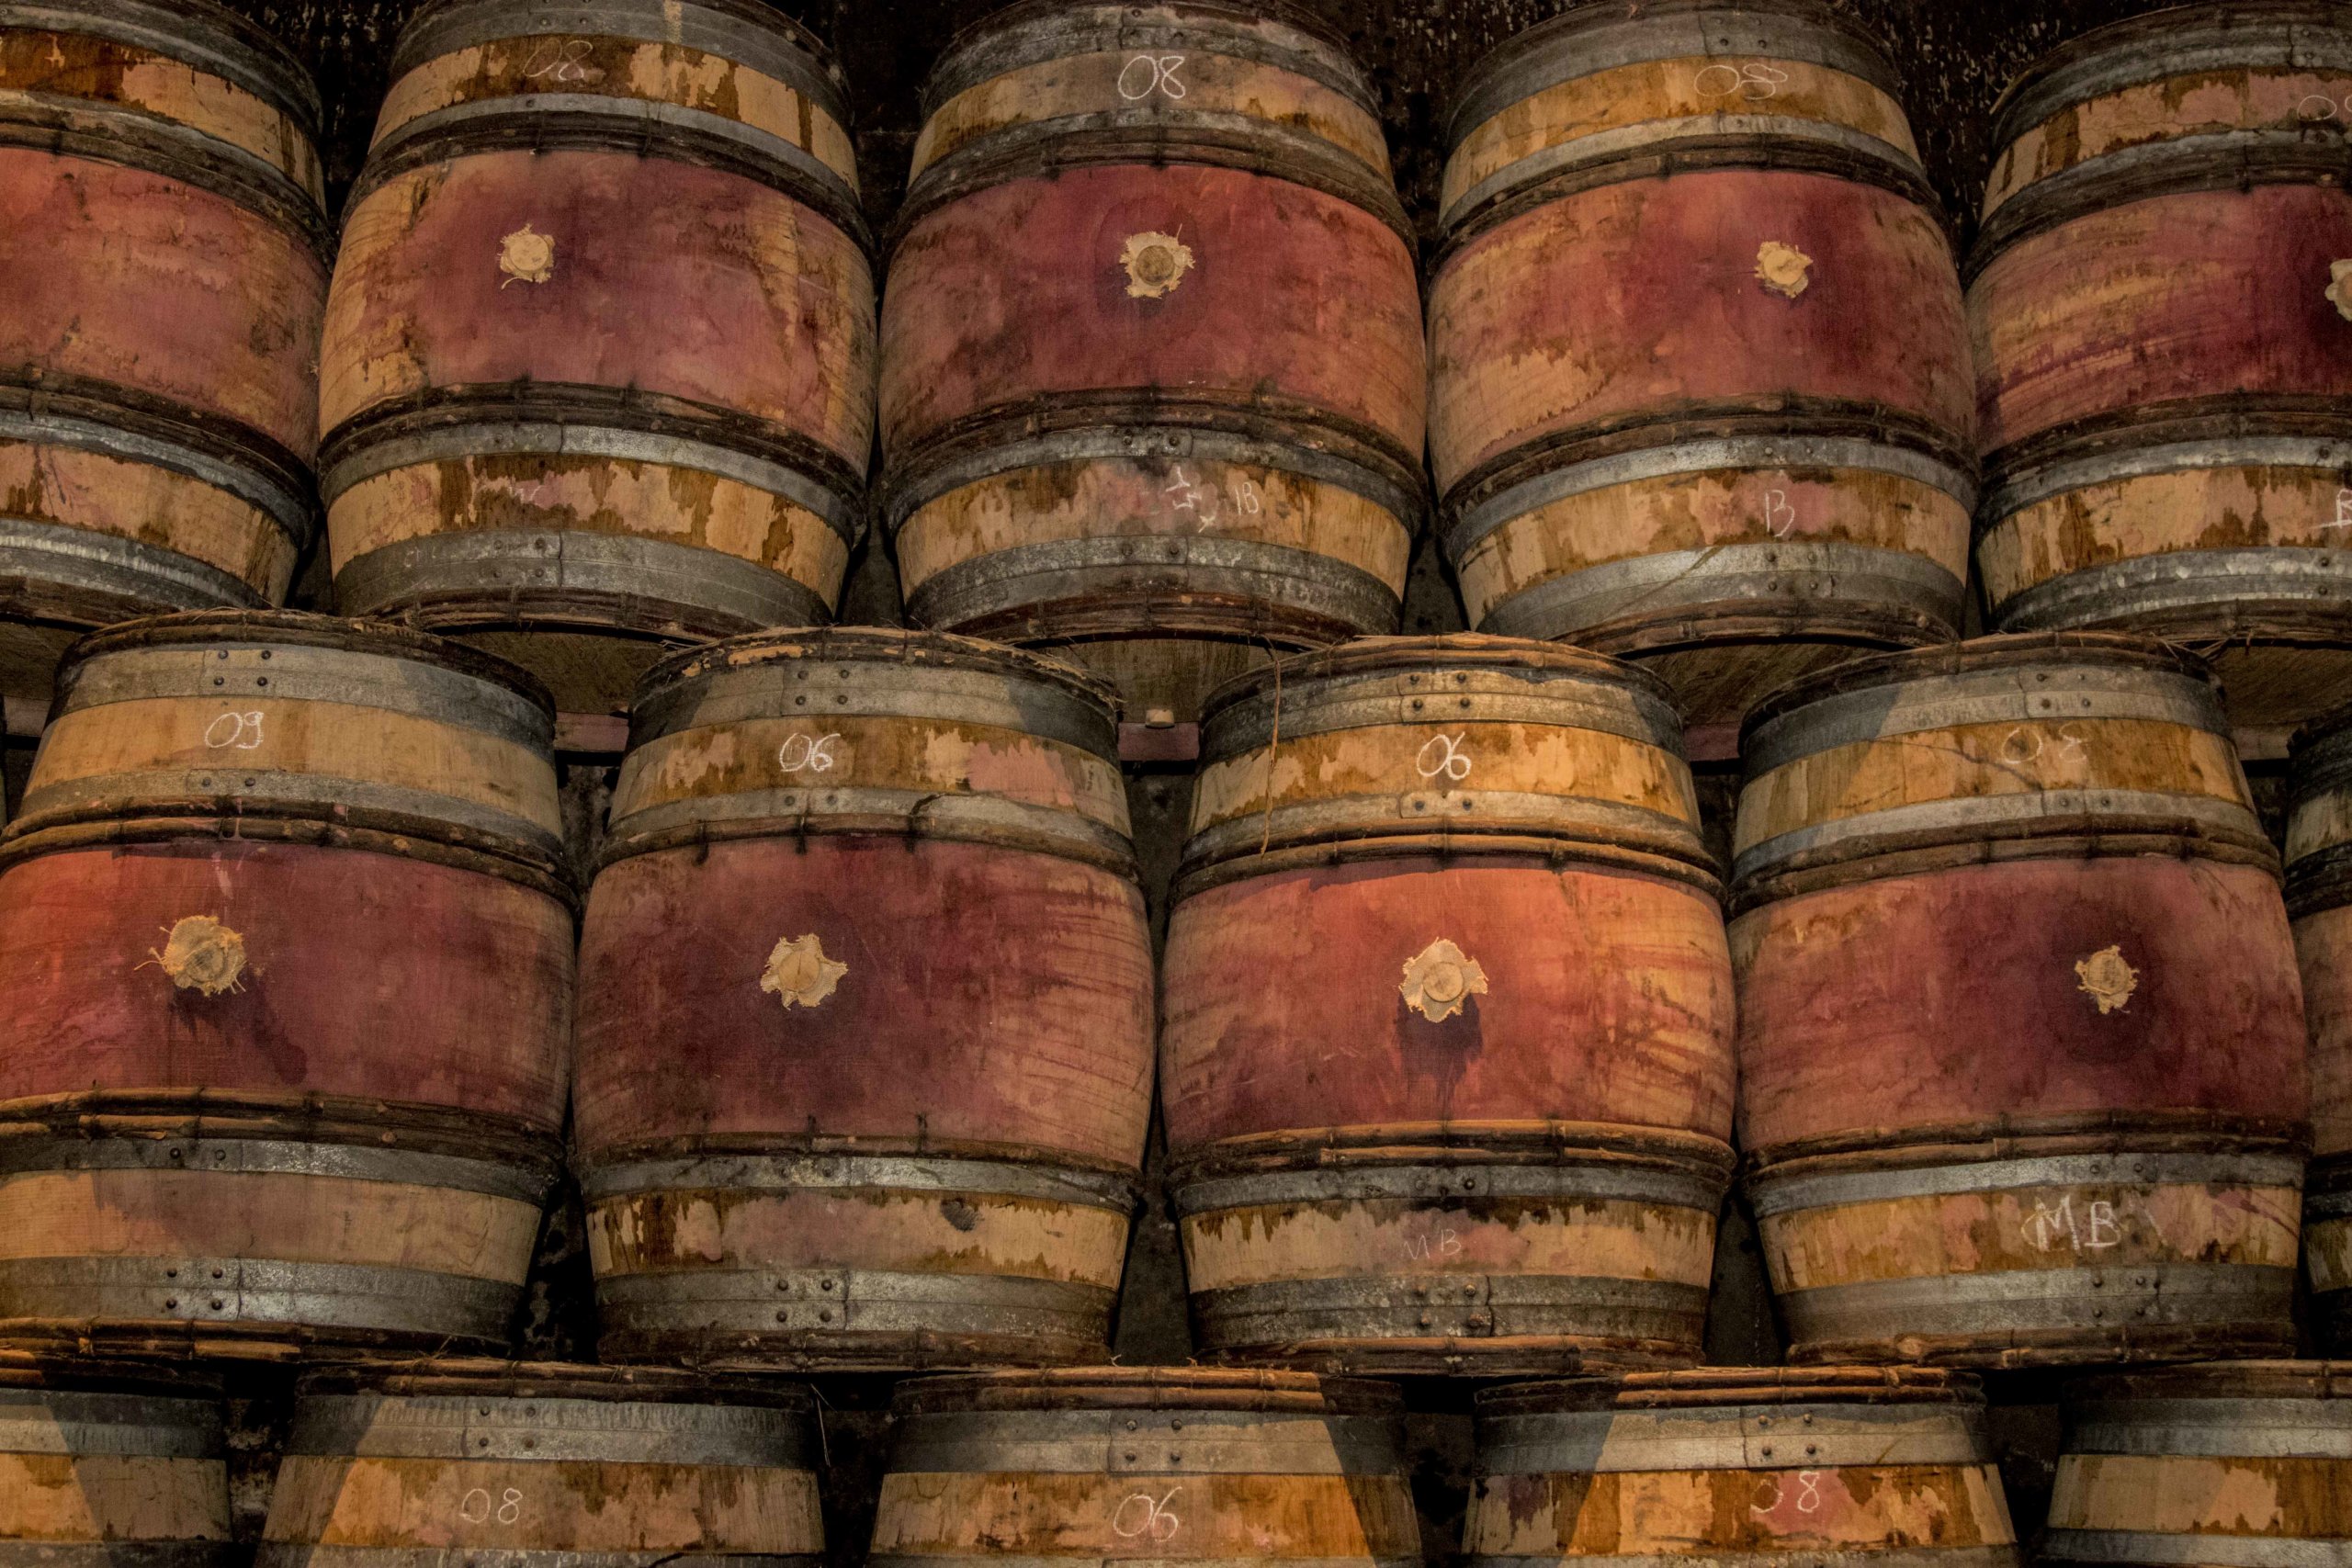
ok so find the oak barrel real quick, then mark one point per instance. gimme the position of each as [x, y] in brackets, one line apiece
[2162, 320]
[1446, 1015]
[599, 363]
[1152, 374]
[2319, 900]
[1724, 1465]
[865, 1009]
[1698, 372]
[544, 1465]
[111, 1462]
[162, 233]
[2224, 1463]
[288, 953]
[2020, 1036]
[1151, 1463]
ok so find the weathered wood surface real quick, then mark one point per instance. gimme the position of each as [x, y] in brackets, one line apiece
[1720, 1462]
[2068, 1093]
[866, 1016]
[2222, 1460]
[160, 221]
[104, 1460]
[290, 957]
[2160, 347]
[1445, 1014]
[1122, 1463]
[1152, 375]
[543, 1463]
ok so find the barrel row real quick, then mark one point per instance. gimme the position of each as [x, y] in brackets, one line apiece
[2220, 1461]
[549, 1463]
[1703, 382]
[1447, 1020]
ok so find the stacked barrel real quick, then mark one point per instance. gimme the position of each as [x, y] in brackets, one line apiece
[1699, 390]
[287, 938]
[1152, 352]
[1446, 1015]
[865, 1009]
[2159, 301]
[2060, 1115]
[163, 232]
[597, 374]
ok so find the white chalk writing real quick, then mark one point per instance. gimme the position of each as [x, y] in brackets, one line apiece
[1151, 1521]
[1156, 74]
[810, 753]
[2092, 1228]
[1450, 762]
[241, 731]
[1754, 81]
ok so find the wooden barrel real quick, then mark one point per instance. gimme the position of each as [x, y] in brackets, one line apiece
[2160, 312]
[2020, 1039]
[1446, 1015]
[1699, 380]
[2226, 1462]
[104, 1463]
[599, 362]
[1152, 376]
[289, 965]
[544, 1465]
[163, 232]
[1150, 1463]
[2319, 900]
[1739, 1465]
[865, 1008]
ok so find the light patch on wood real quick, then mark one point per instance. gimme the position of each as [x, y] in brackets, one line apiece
[1154, 263]
[201, 954]
[525, 256]
[94, 1502]
[2106, 979]
[675, 1232]
[1472, 1237]
[798, 971]
[266, 1216]
[1783, 268]
[531, 1507]
[1440, 979]
[2338, 295]
[2187, 1494]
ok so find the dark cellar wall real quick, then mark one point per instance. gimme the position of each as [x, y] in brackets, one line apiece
[1954, 57]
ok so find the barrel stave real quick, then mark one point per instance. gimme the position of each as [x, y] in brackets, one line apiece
[104, 1460]
[2154, 1466]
